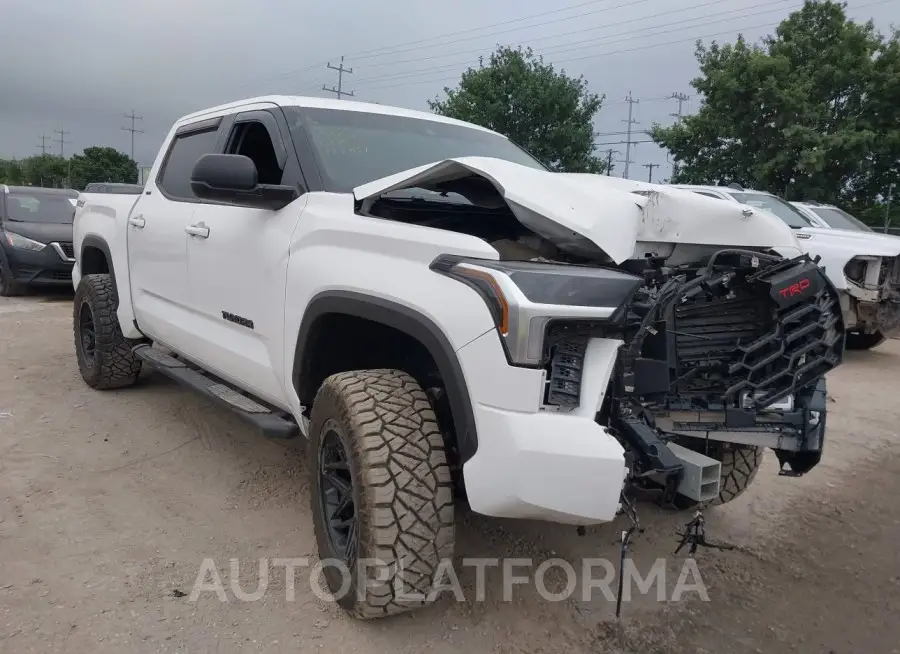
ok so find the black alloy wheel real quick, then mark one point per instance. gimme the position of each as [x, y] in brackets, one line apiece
[336, 483]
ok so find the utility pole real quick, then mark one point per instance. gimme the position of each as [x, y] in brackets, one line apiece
[681, 98]
[631, 102]
[43, 145]
[61, 140]
[887, 209]
[651, 166]
[609, 161]
[133, 131]
[339, 91]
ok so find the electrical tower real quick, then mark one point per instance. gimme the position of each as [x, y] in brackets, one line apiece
[681, 98]
[61, 140]
[631, 121]
[132, 129]
[43, 145]
[339, 91]
[609, 160]
[650, 167]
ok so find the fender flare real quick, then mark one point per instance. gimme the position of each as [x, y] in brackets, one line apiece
[412, 323]
[92, 241]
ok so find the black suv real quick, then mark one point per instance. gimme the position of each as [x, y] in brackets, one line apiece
[35, 237]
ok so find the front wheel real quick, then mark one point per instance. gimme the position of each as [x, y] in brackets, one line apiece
[9, 287]
[381, 493]
[862, 341]
[105, 359]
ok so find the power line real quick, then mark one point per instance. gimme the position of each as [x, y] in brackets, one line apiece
[61, 140]
[132, 129]
[370, 52]
[568, 46]
[339, 90]
[596, 55]
[651, 166]
[631, 121]
[43, 145]
[424, 71]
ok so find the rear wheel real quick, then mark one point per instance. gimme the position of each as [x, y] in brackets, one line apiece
[862, 341]
[380, 491]
[740, 463]
[105, 359]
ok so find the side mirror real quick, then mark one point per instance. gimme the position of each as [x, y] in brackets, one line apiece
[233, 179]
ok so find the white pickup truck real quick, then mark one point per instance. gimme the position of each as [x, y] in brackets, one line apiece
[439, 314]
[863, 266]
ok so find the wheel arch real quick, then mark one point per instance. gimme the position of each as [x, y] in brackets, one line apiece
[90, 263]
[397, 317]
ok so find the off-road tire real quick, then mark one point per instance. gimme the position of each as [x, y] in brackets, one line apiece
[401, 488]
[112, 364]
[740, 463]
[862, 341]
[8, 286]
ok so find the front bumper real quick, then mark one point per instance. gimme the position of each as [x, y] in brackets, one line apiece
[533, 463]
[51, 266]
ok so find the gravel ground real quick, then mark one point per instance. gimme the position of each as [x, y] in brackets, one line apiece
[110, 502]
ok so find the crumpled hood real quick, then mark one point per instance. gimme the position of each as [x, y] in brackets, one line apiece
[575, 210]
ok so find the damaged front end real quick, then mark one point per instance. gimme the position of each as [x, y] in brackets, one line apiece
[872, 301]
[730, 352]
[669, 319]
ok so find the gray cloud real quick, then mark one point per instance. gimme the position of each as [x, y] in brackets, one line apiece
[80, 65]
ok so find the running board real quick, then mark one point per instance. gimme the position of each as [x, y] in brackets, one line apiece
[271, 424]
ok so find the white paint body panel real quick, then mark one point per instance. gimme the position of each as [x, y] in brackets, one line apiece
[535, 464]
[105, 216]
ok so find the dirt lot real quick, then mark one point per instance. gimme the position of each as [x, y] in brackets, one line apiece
[110, 502]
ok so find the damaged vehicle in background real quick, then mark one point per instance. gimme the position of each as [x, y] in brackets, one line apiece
[863, 266]
[440, 315]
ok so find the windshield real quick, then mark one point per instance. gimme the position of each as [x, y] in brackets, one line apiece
[840, 219]
[27, 207]
[355, 147]
[773, 204]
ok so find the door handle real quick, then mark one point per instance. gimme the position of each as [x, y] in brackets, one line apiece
[137, 221]
[199, 229]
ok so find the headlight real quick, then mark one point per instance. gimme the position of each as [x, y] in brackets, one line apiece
[17, 241]
[524, 297]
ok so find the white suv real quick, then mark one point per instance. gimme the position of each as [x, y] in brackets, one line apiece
[437, 313]
[863, 266]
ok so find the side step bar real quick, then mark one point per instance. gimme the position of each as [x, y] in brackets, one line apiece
[271, 424]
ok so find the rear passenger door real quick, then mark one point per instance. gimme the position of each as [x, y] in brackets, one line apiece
[157, 242]
[237, 262]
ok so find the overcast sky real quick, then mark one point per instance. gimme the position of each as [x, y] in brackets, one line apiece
[81, 65]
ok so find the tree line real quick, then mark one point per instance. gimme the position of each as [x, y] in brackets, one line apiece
[812, 112]
[94, 164]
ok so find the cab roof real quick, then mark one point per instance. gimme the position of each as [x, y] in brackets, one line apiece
[326, 103]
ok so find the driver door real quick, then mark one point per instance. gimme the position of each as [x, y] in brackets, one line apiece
[237, 263]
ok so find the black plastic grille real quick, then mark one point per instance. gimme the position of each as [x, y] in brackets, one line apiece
[69, 249]
[726, 347]
[564, 383]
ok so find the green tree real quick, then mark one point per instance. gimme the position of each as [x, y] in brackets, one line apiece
[50, 170]
[544, 111]
[102, 164]
[812, 112]
[10, 172]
